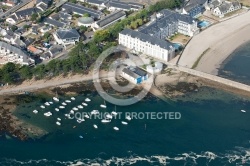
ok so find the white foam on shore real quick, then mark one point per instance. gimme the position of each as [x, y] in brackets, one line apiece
[238, 156]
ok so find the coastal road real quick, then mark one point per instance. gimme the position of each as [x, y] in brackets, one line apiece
[40, 84]
[15, 8]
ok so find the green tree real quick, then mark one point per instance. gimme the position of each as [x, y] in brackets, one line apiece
[13, 28]
[25, 72]
[82, 29]
[101, 35]
[34, 17]
[86, 15]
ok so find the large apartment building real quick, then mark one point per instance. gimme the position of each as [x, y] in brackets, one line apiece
[168, 23]
[140, 42]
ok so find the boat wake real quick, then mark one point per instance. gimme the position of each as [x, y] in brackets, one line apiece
[235, 157]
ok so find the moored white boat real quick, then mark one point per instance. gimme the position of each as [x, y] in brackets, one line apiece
[75, 109]
[35, 111]
[105, 121]
[57, 109]
[125, 123]
[47, 103]
[55, 98]
[86, 116]
[243, 111]
[51, 102]
[108, 116]
[94, 112]
[103, 106]
[58, 123]
[72, 98]
[47, 114]
[80, 136]
[67, 101]
[116, 128]
[128, 118]
[79, 121]
[85, 104]
[87, 99]
[79, 106]
[59, 119]
[42, 106]
[61, 107]
[72, 112]
[64, 103]
[114, 113]
[95, 126]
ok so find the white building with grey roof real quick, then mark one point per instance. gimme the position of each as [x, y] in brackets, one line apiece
[66, 36]
[226, 7]
[109, 20]
[146, 44]
[21, 15]
[9, 53]
[169, 23]
[81, 10]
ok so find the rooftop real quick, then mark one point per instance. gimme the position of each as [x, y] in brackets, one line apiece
[147, 38]
[15, 50]
[134, 72]
[120, 5]
[54, 22]
[67, 33]
[81, 9]
[110, 18]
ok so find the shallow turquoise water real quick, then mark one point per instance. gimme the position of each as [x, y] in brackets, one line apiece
[212, 131]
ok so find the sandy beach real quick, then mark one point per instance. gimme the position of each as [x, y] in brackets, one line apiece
[220, 40]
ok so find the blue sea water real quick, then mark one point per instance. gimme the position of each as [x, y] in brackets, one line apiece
[212, 131]
[236, 66]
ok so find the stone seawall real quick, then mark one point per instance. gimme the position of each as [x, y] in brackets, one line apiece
[221, 80]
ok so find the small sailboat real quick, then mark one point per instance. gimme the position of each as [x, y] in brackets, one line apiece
[72, 98]
[105, 121]
[55, 99]
[51, 102]
[35, 111]
[243, 111]
[95, 126]
[103, 105]
[114, 113]
[85, 104]
[67, 101]
[86, 116]
[79, 106]
[87, 100]
[81, 137]
[58, 123]
[64, 103]
[128, 118]
[61, 107]
[108, 116]
[71, 111]
[47, 103]
[94, 112]
[75, 108]
[125, 123]
[116, 128]
[42, 106]
[57, 109]
[59, 119]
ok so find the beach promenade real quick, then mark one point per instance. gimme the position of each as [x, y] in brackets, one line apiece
[220, 41]
[32, 85]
